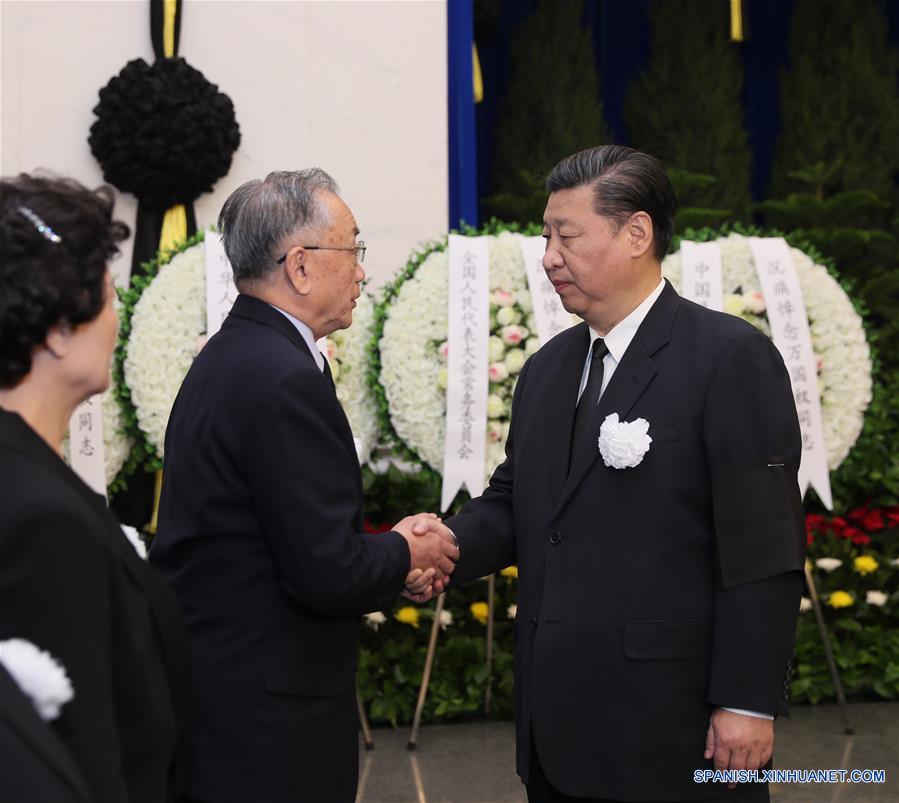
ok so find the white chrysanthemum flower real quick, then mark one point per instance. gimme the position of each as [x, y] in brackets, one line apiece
[38, 674]
[512, 611]
[623, 444]
[135, 540]
[446, 619]
[838, 335]
[876, 598]
[828, 564]
[805, 604]
[375, 619]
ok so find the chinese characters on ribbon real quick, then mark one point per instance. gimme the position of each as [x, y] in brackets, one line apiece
[86, 452]
[701, 279]
[790, 332]
[466, 391]
[550, 316]
[220, 289]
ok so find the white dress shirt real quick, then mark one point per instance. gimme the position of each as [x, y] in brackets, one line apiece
[617, 340]
[307, 335]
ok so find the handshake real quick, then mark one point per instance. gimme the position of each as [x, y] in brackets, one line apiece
[433, 554]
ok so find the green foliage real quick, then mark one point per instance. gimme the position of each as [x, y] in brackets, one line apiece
[839, 100]
[392, 659]
[552, 108]
[685, 108]
[143, 454]
[864, 637]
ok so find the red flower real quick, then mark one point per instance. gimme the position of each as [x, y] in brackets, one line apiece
[837, 525]
[376, 529]
[861, 539]
[815, 522]
[809, 539]
[868, 519]
[851, 532]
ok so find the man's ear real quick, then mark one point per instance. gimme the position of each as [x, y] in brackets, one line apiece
[58, 340]
[297, 271]
[639, 233]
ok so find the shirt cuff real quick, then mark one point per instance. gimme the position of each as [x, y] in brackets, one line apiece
[757, 714]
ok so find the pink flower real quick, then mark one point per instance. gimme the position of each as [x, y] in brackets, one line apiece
[513, 334]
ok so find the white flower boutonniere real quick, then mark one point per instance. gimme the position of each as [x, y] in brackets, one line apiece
[38, 674]
[135, 540]
[623, 444]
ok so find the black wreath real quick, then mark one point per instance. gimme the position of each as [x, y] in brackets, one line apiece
[163, 132]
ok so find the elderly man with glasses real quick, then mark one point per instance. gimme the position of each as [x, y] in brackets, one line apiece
[260, 522]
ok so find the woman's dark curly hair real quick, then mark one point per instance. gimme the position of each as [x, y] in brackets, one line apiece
[45, 283]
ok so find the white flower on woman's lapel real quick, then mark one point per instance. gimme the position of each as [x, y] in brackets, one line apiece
[623, 444]
[38, 674]
[134, 539]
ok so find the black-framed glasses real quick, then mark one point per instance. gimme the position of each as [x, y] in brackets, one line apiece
[359, 248]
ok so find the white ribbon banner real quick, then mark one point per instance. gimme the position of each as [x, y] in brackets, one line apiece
[791, 334]
[550, 316]
[701, 280]
[220, 290]
[86, 452]
[466, 388]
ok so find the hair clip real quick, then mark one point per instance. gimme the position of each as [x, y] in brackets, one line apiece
[39, 224]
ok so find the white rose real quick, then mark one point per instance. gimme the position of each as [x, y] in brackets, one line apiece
[503, 298]
[828, 564]
[497, 372]
[495, 406]
[494, 431]
[623, 444]
[513, 335]
[805, 604]
[525, 302]
[495, 349]
[507, 315]
[531, 345]
[878, 598]
[755, 302]
[515, 360]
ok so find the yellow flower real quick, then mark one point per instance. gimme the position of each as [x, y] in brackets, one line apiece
[865, 564]
[407, 615]
[840, 599]
[734, 304]
[510, 571]
[479, 611]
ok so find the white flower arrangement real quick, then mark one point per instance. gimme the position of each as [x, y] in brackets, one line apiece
[623, 444]
[117, 443]
[168, 328]
[347, 353]
[838, 335]
[413, 350]
[38, 674]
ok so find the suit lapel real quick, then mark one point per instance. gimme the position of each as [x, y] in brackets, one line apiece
[632, 377]
[562, 384]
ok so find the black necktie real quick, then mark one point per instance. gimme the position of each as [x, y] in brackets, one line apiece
[589, 398]
[327, 372]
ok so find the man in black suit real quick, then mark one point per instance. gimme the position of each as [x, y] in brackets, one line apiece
[260, 521]
[658, 591]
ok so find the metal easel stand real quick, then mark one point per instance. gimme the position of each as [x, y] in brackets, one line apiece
[828, 651]
[491, 604]
[367, 739]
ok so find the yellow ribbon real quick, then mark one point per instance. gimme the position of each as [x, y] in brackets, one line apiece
[476, 77]
[168, 27]
[174, 228]
[736, 20]
[157, 493]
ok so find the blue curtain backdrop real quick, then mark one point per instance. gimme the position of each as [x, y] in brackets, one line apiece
[621, 40]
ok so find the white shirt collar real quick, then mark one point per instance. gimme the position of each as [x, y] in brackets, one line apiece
[620, 336]
[307, 335]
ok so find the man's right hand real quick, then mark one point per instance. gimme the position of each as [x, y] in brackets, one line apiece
[431, 547]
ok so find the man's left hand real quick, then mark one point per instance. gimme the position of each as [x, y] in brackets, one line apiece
[738, 741]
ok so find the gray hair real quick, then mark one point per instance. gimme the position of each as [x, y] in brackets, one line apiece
[624, 181]
[259, 215]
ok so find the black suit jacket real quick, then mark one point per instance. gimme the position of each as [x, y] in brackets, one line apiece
[35, 765]
[73, 585]
[647, 595]
[260, 535]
